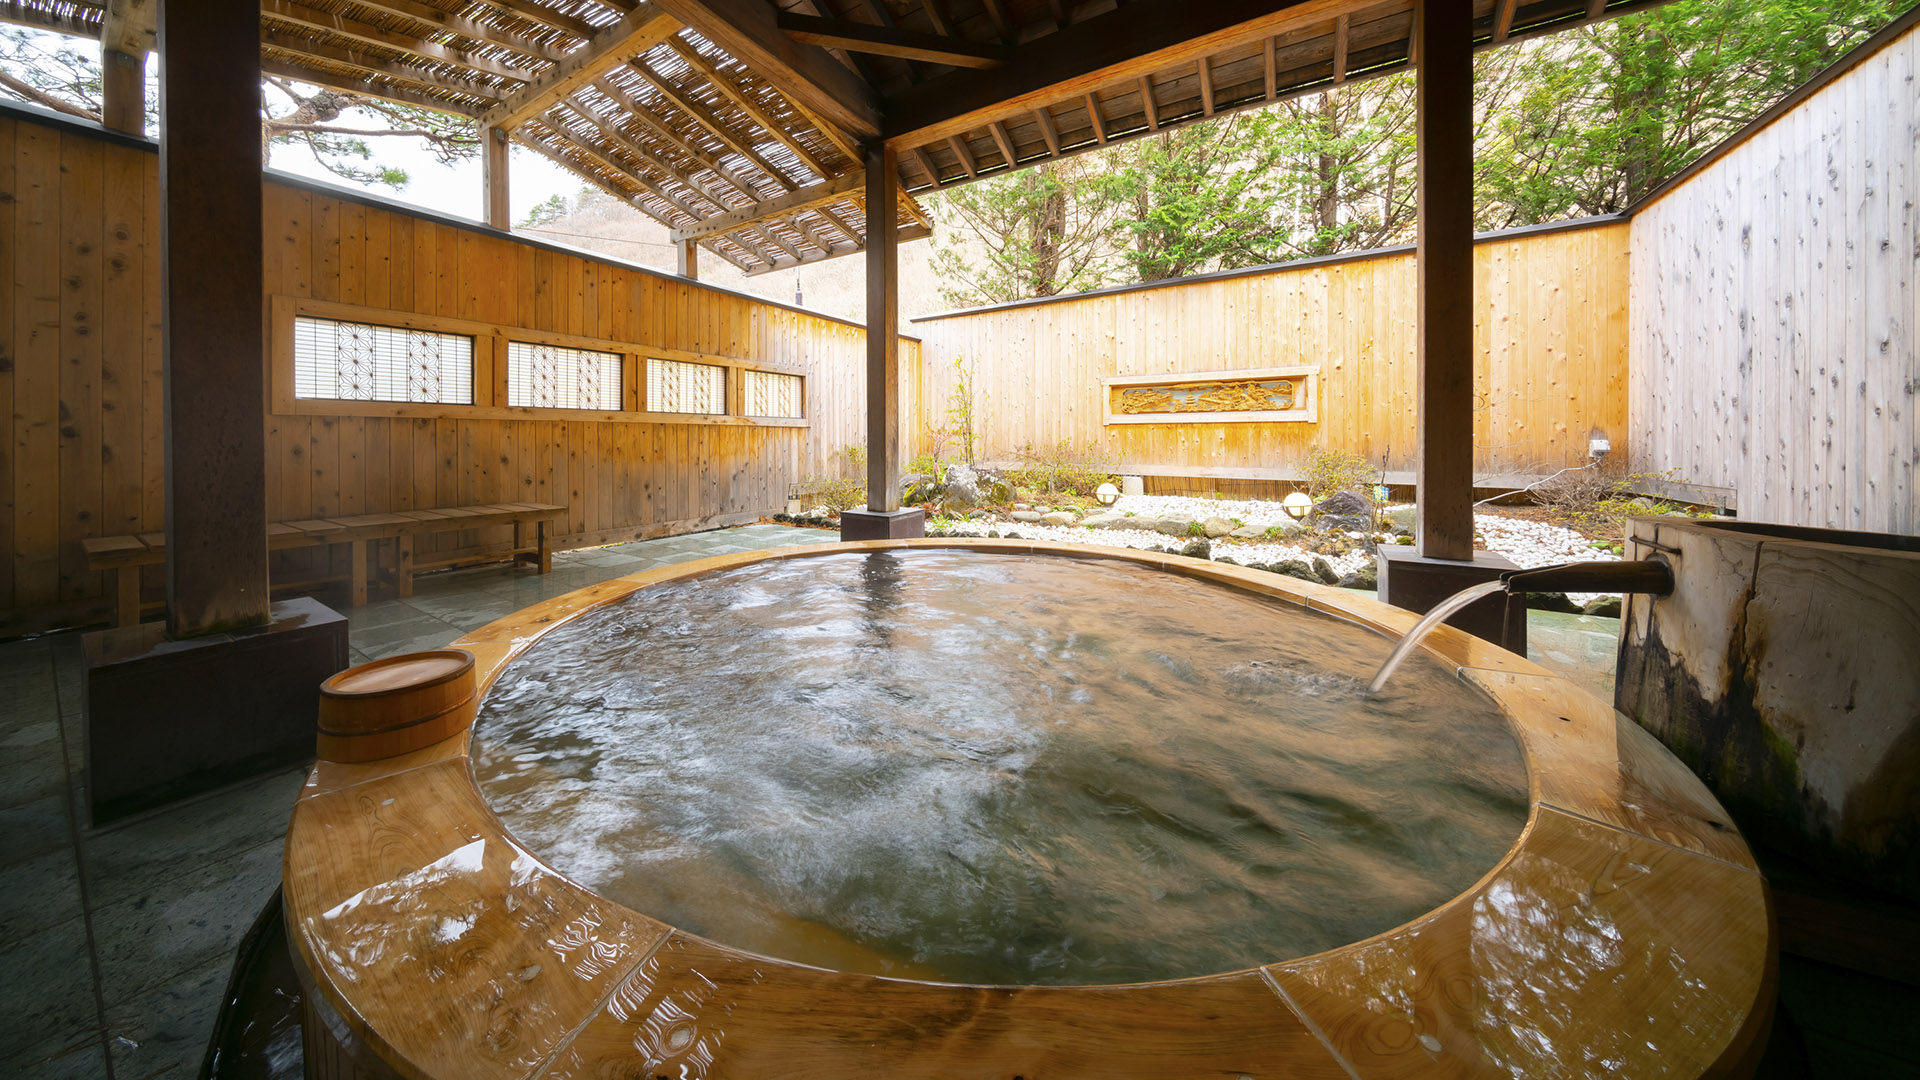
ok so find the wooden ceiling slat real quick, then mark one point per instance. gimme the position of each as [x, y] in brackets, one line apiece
[639, 31]
[738, 142]
[806, 74]
[473, 30]
[807, 198]
[725, 84]
[1005, 143]
[541, 13]
[301, 15]
[359, 84]
[1340, 32]
[371, 64]
[1146, 103]
[885, 41]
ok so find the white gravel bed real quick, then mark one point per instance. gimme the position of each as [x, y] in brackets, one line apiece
[1528, 543]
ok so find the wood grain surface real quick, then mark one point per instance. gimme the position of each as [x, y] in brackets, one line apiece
[1623, 935]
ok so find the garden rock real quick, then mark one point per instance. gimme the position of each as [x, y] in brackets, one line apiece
[1000, 492]
[963, 486]
[1198, 549]
[1217, 527]
[1173, 526]
[1552, 601]
[1247, 532]
[1401, 518]
[1058, 517]
[1294, 568]
[1325, 571]
[1287, 527]
[1025, 515]
[1606, 607]
[1105, 520]
[923, 490]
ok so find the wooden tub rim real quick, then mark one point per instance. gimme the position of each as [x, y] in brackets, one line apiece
[1484, 666]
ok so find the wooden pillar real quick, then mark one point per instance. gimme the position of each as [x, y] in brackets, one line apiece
[1443, 41]
[883, 329]
[687, 258]
[493, 177]
[213, 351]
[123, 91]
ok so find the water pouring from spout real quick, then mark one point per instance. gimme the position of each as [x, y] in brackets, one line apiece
[1425, 626]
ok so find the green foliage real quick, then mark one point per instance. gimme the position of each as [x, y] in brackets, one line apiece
[1275, 532]
[928, 465]
[547, 213]
[834, 493]
[1194, 528]
[1598, 505]
[853, 458]
[1197, 197]
[1061, 467]
[966, 409]
[1330, 471]
[1034, 233]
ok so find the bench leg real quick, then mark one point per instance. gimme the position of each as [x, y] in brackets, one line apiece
[403, 565]
[357, 575]
[126, 589]
[546, 547]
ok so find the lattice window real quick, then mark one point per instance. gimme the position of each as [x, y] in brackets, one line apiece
[771, 393]
[351, 361]
[676, 386]
[556, 377]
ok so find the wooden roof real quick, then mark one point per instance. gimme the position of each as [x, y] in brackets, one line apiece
[737, 123]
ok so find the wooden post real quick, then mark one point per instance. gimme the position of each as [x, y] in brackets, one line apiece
[687, 256]
[1443, 40]
[213, 355]
[123, 91]
[883, 329]
[493, 177]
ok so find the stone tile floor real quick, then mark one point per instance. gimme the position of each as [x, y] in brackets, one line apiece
[116, 942]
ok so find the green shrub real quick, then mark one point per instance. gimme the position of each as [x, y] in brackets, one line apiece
[928, 465]
[835, 494]
[1331, 471]
[1061, 468]
[1194, 528]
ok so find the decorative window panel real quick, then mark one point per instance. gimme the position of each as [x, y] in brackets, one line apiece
[556, 377]
[1252, 395]
[771, 393]
[353, 361]
[676, 386]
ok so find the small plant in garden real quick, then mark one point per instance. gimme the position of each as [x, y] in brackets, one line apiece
[1599, 504]
[1274, 532]
[855, 456]
[834, 494]
[1194, 528]
[1061, 468]
[966, 410]
[928, 465]
[1331, 471]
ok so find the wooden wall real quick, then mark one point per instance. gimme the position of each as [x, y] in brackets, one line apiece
[80, 422]
[1552, 336]
[1776, 309]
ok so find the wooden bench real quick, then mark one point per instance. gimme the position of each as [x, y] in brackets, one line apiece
[121, 557]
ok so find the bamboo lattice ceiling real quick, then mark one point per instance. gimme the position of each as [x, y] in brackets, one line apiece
[738, 123]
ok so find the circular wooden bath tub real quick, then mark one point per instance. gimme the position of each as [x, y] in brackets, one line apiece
[1626, 933]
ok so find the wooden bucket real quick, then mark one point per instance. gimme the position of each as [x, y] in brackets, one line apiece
[396, 705]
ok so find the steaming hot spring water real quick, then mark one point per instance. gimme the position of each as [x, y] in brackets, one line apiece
[982, 768]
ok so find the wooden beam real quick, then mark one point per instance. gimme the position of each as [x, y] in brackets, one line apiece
[835, 190]
[998, 16]
[686, 257]
[371, 64]
[646, 27]
[128, 26]
[403, 95]
[1048, 132]
[1596, 8]
[1444, 138]
[906, 233]
[1005, 143]
[921, 159]
[1503, 19]
[1093, 117]
[548, 15]
[883, 331]
[958, 144]
[1341, 30]
[298, 14]
[1206, 85]
[886, 41]
[69, 21]
[214, 328]
[662, 130]
[123, 91]
[485, 33]
[621, 140]
[806, 74]
[1270, 68]
[1147, 106]
[737, 142]
[1142, 37]
[720, 81]
[493, 178]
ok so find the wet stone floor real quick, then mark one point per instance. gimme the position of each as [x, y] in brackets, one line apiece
[116, 942]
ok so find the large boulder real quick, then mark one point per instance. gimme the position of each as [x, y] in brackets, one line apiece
[1325, 570]
[1294, 568]
[1107, 519]
[1343, 511]
[1198, 549]
[1058, 517]
[1172, 526]
[1217, 527]
[963, 486]
[1248, 532]
[1025, 515]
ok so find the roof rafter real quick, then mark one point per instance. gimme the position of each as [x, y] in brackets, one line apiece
[806, 74]
[836, 190]
[889, 41]
[298, 14]
[129, 26]
[641, 29]
[485, 33]
[735, 141]
[400, 95]
[372, 64]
